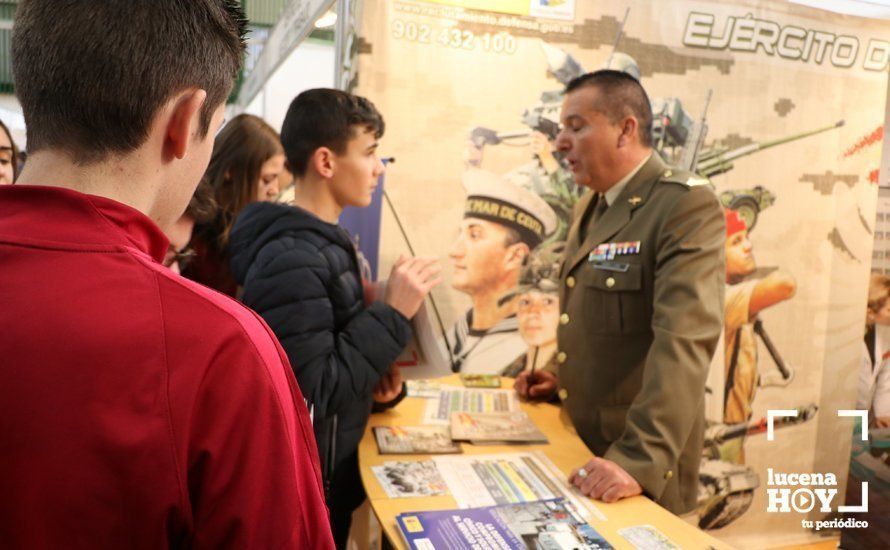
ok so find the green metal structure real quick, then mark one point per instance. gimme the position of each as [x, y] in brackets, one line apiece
[7, 12]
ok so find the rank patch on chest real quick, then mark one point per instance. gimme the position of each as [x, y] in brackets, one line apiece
[608, 251]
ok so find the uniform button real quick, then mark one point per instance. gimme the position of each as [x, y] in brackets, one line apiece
[669, 474]
[561, 357]
[564, 319]
[668, 173]
[570, 282]
[610, 282]
[563, 394]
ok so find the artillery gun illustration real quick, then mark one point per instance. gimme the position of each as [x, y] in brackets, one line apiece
[752, 201]
[719, 160]
[725, 489]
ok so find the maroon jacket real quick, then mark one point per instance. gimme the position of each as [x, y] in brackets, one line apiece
[138, 409]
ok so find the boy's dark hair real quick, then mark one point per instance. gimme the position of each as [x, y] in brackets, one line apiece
[325, 118]
[91, 76]
[620, 95]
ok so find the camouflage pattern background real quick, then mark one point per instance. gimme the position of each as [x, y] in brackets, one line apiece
[437, 70]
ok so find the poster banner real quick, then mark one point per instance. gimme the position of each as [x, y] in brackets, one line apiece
[779, 105]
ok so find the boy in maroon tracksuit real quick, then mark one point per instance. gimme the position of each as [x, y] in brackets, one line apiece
[137, 409]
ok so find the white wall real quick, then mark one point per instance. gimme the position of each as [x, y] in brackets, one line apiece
[311, 65]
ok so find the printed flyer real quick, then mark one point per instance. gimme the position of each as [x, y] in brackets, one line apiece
[550, 524]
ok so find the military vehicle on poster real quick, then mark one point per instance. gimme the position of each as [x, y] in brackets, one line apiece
[726, 489]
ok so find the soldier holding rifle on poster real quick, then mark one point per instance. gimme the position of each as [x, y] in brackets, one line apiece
[641, 293]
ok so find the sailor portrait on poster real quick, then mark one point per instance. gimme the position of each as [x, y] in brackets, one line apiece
[502, 224]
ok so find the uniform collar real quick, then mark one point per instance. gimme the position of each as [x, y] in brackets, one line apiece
[613, 192]
[59, 216]
[636, 190]
[507, 324]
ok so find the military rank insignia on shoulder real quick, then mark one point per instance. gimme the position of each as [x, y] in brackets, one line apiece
[683, 177]
[694, 181]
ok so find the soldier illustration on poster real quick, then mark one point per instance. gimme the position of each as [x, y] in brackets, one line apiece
[538, 310]
[745, 299]
[546, 173]
[748, 293]
[502, 224]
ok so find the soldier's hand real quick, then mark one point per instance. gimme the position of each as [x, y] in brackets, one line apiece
[605, 480]
[410, 281]
[540, 386]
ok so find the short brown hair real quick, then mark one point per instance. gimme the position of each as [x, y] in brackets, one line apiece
[91, 76]
[620, 95]
[324, 117]
[239, 152]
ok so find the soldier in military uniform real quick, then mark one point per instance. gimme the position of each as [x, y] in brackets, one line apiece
[538, 309]
[745, 299]
[641, 294]
[502, 224]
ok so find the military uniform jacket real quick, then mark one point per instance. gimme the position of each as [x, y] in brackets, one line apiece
[637, 332]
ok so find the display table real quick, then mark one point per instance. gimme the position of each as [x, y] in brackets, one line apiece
[565, 450]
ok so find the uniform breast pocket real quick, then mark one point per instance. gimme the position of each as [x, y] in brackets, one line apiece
[614, 301]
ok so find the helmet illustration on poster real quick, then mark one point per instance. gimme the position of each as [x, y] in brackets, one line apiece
[773, 105]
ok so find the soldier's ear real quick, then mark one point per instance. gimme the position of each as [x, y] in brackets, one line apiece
[516, 255]
[628, 133]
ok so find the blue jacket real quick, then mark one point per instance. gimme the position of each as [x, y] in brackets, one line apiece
[301, 275]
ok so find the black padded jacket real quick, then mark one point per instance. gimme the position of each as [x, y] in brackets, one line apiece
[301, 275]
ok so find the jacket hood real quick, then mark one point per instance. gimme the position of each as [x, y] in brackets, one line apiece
[263, 222]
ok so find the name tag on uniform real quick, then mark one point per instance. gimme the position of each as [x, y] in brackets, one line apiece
[608, 251]
[611, 266]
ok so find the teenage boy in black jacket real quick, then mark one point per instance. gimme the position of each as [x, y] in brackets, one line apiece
[300, 273]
